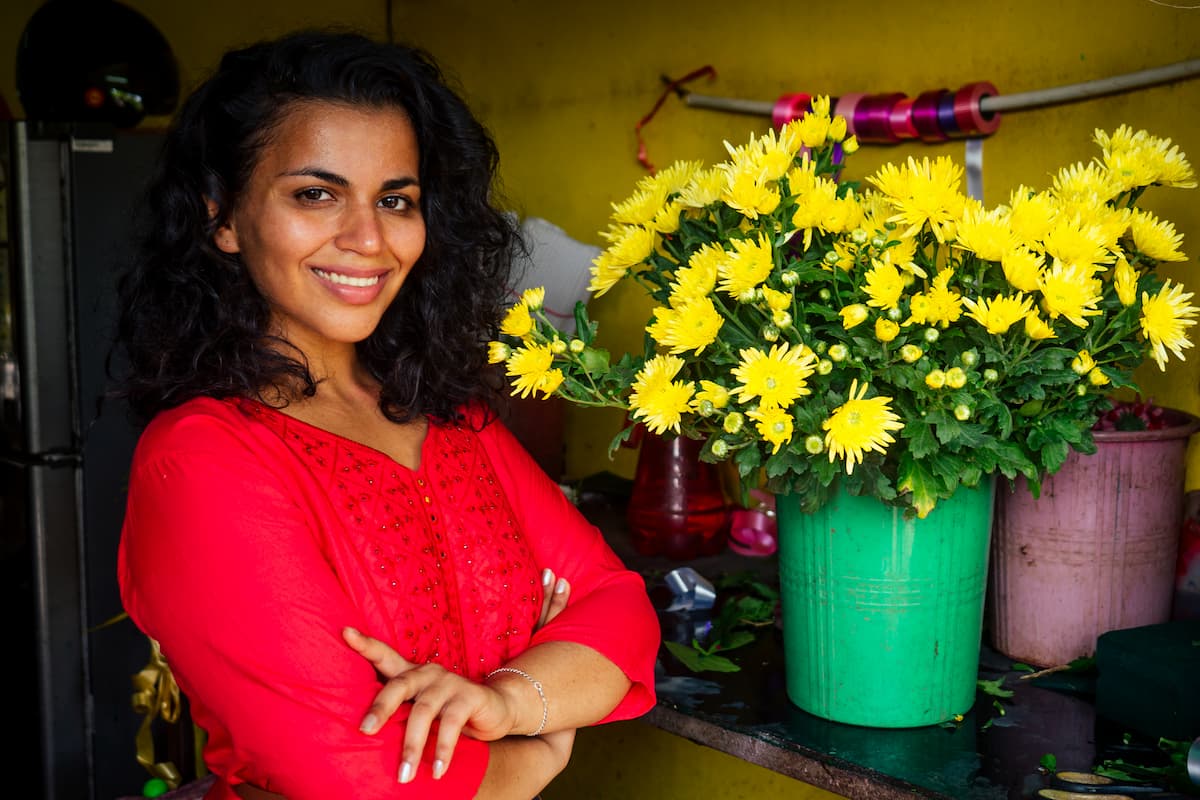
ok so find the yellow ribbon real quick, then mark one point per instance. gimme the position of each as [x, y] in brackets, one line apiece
[155, 694]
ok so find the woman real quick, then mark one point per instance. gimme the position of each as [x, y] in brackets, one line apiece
[363, 584]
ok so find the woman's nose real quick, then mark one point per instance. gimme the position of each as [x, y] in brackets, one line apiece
[360, 231]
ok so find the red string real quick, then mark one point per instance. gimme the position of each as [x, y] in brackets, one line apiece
[672, 86]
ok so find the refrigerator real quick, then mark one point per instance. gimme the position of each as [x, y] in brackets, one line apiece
[67, 196]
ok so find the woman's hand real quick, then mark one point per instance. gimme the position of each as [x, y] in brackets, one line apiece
[461, 706]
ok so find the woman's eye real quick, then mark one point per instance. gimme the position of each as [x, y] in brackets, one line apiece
[312, 195]
[395, 202]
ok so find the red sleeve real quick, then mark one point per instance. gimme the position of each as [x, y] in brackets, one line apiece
[609, 609]
[220, 563]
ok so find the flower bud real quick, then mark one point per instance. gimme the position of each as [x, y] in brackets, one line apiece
[813, 445]
[956, 378]
[719, 448]
[990, 375]
[878, 242]
[969, 358]
[498, 352]
[911, 353]
[746, 296]
[962, 412]
[824, 366]
[820, 347]
[831, 258]
[782, 319]
[789, 277]
[769, 333]
[1082, 364]
[886, 330]
[1097, 378]
[1081, 389]
[733, 422]
[931, 335]
[577, 346]
[850, 145]
[558, 347]
[859, 236]
[935, 379]
[894, 314]
[838, 352]
[706, 408]
[853, 315]
[824, 295]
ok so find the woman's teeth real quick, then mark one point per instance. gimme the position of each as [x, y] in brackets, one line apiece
[346, 280]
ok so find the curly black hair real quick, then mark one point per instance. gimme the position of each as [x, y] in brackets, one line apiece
[191, 322]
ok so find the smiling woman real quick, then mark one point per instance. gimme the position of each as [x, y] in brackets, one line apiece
[361, 581]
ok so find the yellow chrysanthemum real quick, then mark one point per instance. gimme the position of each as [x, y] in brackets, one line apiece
[1156, 238]
[629, 245]
[1031, 214]
[924, 192]
[1125, 281]
[776, 378]
[746, 267]
[1071, 292]
[530, 369]
[883, 284]
[1155, 160]
[774, 425]
[777, 300]
[640, 208]
[1165, 319]
[517, 321]
[812, 129]
[1082, 181]
[941, 305]
[657, 398]
[606, 273]
[747, 191]
[986, 233]
[860, 426]
[1075, 241]
[1082, 363]
[1022, 268]
[815, 207]
[1037, 328]
[1000, 312]
[703, 189]
[692, 326]
[666, 221]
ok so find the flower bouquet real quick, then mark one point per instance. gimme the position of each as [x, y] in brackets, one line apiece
[893, 336]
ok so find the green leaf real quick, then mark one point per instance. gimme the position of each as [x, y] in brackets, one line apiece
[699, 662]
[1020, 667]
[583, 328]
[619, 440]
[595, 360]
[994, 688]
[1048, 762]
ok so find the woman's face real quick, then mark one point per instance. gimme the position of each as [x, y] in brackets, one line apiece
[330, 223]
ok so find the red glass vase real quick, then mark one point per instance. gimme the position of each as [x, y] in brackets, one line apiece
[677, 507]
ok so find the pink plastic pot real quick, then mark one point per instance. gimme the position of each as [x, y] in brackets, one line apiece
[1096, 552]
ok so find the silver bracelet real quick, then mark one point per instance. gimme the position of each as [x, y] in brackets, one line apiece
[536, 685]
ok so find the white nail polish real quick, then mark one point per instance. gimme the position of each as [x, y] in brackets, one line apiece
[439, 768]
[546, 576]
[406, 772]
[561, 586]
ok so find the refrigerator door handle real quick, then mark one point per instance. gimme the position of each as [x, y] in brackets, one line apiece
[49, 458]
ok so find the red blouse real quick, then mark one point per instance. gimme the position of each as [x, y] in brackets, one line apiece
[251, 539]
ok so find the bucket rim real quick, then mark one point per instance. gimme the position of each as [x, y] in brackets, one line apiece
[1182, 425]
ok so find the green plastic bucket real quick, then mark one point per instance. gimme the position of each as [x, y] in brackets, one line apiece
[882, 615]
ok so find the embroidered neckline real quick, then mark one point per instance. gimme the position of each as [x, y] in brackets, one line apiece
[259, 408]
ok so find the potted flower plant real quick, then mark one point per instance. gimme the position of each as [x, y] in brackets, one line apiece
[875, 353]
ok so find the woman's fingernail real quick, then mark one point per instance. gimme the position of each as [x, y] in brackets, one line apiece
[406, 772]
[547, 575]
[561, 586]
[369, 723]
[439, 768]
[352, 631]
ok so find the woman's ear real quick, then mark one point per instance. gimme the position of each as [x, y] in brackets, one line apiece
[225, 237]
